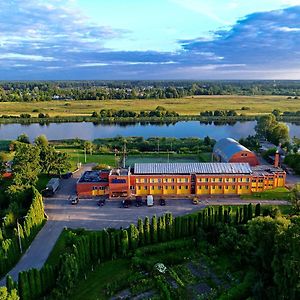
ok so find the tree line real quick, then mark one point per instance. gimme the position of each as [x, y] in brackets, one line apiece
[103, 90]
[269, 243]
[159, 112]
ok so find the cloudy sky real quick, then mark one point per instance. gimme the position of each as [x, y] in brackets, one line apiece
[149, 39]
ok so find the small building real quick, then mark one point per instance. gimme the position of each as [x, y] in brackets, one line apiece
[229, 150]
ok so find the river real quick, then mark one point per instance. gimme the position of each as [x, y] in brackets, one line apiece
[90, 131]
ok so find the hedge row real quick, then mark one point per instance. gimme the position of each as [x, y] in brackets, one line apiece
[91, 248]
[9, 244]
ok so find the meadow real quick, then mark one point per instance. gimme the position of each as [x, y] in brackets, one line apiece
[256, 105]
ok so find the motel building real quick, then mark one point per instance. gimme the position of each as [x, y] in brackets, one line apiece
[181, 179]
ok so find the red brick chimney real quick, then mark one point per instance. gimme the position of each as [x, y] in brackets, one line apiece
[276, 160]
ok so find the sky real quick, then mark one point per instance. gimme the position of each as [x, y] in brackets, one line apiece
[149, 39]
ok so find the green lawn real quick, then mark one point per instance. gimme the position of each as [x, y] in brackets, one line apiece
[276, 194]
[163, 158]
[184, 106]
[58, 249]
[94, 287]
[77, 155]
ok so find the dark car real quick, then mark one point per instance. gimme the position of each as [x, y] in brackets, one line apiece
[126, 203]
[74, 200]
[139, 201]
[162, 201]
[67, 175]
[101, 202]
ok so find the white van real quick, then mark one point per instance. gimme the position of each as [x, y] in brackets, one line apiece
[150, 201]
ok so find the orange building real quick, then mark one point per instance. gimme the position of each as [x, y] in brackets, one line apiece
[181, 179]
[229, 150]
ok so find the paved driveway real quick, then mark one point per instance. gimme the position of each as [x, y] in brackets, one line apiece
[90, 216]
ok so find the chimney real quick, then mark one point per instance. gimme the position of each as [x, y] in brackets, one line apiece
[276, 160]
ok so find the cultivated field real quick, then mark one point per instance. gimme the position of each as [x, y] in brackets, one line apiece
[185, 106]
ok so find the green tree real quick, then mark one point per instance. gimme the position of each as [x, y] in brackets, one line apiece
[124, 242]
[8, 295]
[280, 134]
[147, 231]
[88, 146]
[2, 166]
[23, 138]
[286, 262]
[154, 234]
[140, 227]
[41, 141]
[26, 165]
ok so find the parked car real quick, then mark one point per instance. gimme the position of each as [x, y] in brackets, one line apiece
[126, 203]
[101, 202]
[195, 201]
[139, 201]
[150, 200]
[162, 201]
[74, 200]
[67, 175]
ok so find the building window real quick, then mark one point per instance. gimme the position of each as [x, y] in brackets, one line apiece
[173, 179]
[145, 188]
[132, 187]
[152, 187]
[199, 187]
[186, 187]
[186, 180]
[159, 180]
[179, 187]
[139, 187]
[206, 187]
[159, 187]
[220, 187]
[233, 187]
[226, 187]
[220, 179]
[241, 186]
[213, 187]
[166, 187]
[247, 179]
[233, 179]
[173, 187]
[206, 179]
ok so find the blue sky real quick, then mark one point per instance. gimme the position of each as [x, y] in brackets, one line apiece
[149, 39]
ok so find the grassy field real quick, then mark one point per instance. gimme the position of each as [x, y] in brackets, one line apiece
[77, 155]
[164, 158]
[185, 106]
[276, 194]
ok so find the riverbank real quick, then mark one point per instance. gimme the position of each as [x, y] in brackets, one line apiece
[142, 120]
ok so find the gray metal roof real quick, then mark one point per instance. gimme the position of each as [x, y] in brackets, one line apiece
[188, 168]
[226, 148]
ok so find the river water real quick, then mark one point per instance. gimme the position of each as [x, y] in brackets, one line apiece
[90, 131]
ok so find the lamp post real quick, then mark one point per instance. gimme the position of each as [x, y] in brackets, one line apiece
[18, 229]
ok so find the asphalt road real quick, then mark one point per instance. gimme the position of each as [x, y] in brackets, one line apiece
[86, 214]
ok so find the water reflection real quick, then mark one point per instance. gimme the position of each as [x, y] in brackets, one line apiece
[90, 131]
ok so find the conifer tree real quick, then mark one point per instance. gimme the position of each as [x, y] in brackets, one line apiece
[147, 231]
[154, 235]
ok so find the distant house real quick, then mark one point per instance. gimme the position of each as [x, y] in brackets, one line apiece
[230, 150]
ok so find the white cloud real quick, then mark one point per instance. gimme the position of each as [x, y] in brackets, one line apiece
[19, 56]
[288, 29]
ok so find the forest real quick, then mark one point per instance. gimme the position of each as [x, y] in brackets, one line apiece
[28, 91]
